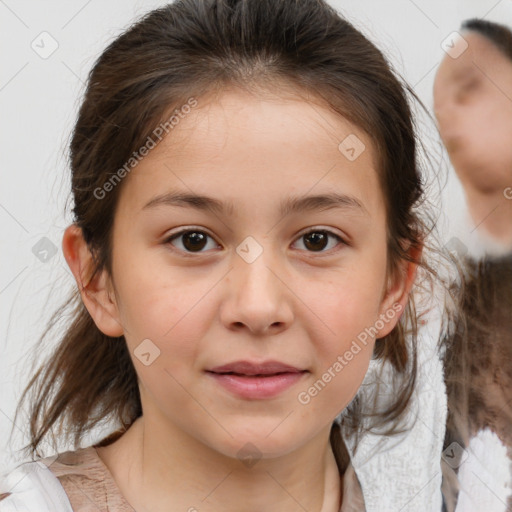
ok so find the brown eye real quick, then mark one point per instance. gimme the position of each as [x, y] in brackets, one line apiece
[318, 240]
[191, 240]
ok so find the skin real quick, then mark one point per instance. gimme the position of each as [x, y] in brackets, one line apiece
[292, 304]
[473, 107]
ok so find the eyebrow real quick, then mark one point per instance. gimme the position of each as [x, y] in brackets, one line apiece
[294, 204]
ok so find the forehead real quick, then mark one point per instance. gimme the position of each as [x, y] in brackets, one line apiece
[481, 56]
[240, 145]
[258, 118]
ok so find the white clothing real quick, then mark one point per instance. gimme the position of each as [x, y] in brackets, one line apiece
[484, 475]
[33, 488]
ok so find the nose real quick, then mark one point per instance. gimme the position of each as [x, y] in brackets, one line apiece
[258, 297]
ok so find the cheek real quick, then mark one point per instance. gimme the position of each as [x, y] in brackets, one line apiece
[351, 312]
[164, 305]
[485, 134]
[349, 307]
[342, 362]
[350, 303]
[497, 132]
[485, 117]
[444, 119]
[166, 323]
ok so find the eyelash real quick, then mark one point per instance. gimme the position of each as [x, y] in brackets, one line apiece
[174, 236]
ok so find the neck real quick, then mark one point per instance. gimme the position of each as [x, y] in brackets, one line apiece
[491, 212]
[153, 472]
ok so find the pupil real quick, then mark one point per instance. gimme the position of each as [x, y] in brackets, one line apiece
[194, 240]
[318, 239]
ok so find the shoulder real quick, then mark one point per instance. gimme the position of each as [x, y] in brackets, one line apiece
[32, 487]
[70, 481]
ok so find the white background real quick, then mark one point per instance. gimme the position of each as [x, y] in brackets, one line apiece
[39, 99]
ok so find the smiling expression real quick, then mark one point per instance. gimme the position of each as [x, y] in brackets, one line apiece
[247, 238]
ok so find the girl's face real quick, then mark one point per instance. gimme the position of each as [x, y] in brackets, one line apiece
[247, 242]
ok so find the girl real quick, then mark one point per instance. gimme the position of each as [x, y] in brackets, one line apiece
[245, 241]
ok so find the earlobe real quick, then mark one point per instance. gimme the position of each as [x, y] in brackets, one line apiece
[96, 291]
[397, 297]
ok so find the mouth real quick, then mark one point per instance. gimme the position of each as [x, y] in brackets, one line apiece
[249, 369]
[254, 381]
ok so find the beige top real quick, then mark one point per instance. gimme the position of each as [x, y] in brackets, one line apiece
[90, 486]
[88, 482]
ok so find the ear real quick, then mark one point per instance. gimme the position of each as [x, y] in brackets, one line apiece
[396, 296]
[96, 291]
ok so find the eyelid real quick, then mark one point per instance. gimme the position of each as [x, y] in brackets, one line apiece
[186, 229]
[343, 240]
[329, 230]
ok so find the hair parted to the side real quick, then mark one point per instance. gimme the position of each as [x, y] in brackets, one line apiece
[192, 48]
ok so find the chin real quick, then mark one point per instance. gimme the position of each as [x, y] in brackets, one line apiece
[252, 445]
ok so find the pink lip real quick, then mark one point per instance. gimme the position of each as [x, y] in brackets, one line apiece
[256, 380]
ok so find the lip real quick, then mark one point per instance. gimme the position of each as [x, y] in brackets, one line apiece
[252, 368]
[256, 381]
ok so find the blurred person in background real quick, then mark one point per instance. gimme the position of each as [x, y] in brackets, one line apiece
[473, 107]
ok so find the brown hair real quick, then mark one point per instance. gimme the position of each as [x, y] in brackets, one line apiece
[478, 361]
[191, 48]
[499, 35]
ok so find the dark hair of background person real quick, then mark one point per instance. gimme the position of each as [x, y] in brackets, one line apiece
[499, 35]
[197, 48]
